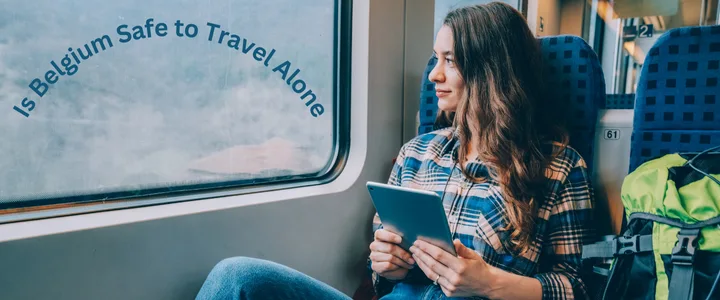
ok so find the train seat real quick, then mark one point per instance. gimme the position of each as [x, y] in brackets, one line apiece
[677, 108]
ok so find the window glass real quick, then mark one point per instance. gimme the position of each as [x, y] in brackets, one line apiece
[130, 96]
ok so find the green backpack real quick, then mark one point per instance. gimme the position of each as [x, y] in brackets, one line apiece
[670, 245]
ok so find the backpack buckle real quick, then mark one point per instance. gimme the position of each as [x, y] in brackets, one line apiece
[628, 245]
[684, 251]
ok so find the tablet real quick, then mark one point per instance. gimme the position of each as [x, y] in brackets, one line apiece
[412, 214]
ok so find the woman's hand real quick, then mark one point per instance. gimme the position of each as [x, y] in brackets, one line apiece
[462, 276]
[388, 259]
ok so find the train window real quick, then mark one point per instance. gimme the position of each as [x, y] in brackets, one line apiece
[621, 31]
[110, 100]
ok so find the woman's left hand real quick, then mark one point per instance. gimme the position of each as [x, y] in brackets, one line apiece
[462, 276]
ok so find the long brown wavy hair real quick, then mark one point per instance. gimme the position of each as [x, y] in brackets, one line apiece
[504, 111]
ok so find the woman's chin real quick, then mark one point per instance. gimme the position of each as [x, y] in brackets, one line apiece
[444, 105]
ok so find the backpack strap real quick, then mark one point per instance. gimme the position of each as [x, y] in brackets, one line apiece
[683, 255]
[622, 245]
[624, 222]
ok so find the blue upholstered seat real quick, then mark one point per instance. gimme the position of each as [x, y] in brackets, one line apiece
[572, 71]
[619, 101]
[677, 108]
[428, 100]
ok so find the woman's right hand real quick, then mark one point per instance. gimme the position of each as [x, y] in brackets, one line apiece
[388, 259]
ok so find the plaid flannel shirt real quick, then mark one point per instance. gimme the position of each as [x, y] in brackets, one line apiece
[563, 223]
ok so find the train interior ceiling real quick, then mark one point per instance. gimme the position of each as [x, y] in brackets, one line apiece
[143, 143]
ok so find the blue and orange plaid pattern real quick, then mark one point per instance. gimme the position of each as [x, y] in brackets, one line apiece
[563, 223]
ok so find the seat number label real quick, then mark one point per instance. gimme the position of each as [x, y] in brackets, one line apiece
[611, 134]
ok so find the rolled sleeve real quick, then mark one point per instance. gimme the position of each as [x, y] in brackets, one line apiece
[556, 286]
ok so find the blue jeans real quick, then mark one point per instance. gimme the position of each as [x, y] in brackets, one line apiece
[250, 278]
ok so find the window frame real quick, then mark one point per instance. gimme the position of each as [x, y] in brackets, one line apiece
[18, 210]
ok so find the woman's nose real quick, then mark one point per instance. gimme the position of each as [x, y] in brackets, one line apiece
[436, 74]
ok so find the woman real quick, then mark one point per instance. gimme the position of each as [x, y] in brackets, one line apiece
[518, 198]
